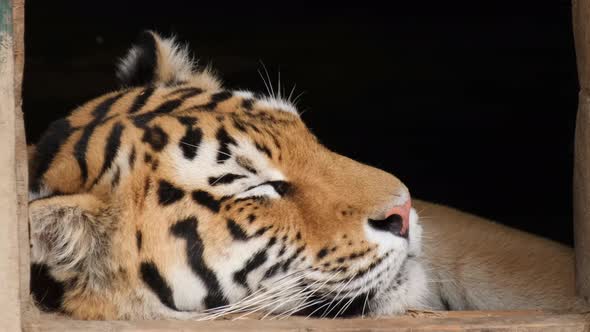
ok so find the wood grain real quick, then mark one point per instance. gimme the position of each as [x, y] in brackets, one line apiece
[10, 247]
[581, 19]
[421, 321]
[581, 186]
[21, 167]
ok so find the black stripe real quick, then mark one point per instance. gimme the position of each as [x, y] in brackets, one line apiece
[187, 121]
[275, 141]
[80, 151]
[251, 218]
[362, 272]
[246, 164]
[186, 92]
[263, 148]
[116, 177]
[272, 270]
[156, 137]
[205, 199]
[142, 120]
[217, 98]
[262, 230]
[81, 146]
[192, 93]
[139, 240]
[168, 194]
[254, 128]
[132, 157]
[248, 103]
[155, 165]
[290, 260]
[102, 109]
[168, 106]
[226, 178]
[241, 276]
[141, 99]
[187, 229]
[189, 143]
[153, 279]
[236, 231]
[47, 148]
[221, 96]
[224, 141]
[239, 125]
[111, 149]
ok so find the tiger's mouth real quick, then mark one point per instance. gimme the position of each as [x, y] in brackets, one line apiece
[353, 295]
[352, 306]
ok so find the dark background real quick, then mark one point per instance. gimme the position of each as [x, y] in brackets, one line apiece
[470, 104]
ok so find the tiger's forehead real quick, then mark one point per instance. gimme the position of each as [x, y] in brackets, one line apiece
[142, 105]
[191, 115]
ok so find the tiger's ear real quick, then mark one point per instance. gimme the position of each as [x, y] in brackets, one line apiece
[154, 60]
[72, 233]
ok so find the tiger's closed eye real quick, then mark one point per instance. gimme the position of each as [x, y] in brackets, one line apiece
[271, 189]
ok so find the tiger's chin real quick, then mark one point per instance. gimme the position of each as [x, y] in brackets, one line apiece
[408, 290]
[399, 287]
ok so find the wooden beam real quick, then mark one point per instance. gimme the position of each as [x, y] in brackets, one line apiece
[21, 167]
[581, 19]
[13, 219]
[417, 321]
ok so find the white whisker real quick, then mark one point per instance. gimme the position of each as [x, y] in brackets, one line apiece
[272, 92]
[299, 308]
[326, 312]
[364, 305]
[352, 298]
[254, 299]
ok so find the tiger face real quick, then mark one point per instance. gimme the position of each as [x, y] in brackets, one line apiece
[178, 198]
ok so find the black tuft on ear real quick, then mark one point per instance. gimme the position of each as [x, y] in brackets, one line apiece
[139, 66]
[158, 61]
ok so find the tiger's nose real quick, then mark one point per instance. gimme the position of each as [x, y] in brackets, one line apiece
[397, 220]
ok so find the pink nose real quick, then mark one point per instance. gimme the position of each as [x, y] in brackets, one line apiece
[404, 212]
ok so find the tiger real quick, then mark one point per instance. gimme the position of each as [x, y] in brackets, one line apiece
[176, 198]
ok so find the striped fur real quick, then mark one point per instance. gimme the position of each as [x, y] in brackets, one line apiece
[176, 198]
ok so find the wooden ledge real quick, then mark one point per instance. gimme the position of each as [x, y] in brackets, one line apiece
[525, 320]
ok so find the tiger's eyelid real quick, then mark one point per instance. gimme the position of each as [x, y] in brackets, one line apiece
[258, 185]
[276, 185]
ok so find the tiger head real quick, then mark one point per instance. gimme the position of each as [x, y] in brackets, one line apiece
[175, 197]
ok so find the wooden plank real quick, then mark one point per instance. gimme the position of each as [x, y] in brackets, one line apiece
[22, 176]
[423, 321]
[10, 253]
[581, 18]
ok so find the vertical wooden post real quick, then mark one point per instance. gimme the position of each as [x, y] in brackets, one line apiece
[581, 19]
[22, 169]
[14, 242]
